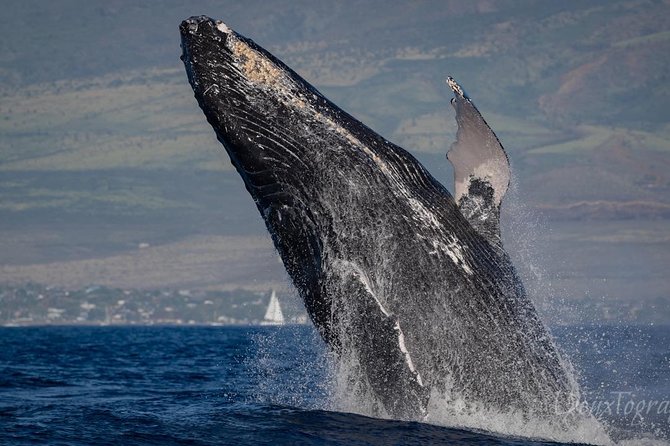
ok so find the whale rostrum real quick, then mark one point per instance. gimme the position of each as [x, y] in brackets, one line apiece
[409, 285]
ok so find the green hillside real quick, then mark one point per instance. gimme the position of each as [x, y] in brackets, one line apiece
[103, 147]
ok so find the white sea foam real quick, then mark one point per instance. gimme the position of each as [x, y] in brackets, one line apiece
[452, 411]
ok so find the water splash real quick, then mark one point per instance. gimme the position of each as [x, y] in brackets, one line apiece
[291, 366]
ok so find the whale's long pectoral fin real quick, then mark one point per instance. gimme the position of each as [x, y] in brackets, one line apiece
[481, 167]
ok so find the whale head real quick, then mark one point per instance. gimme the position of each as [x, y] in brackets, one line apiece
[217, 62]
[249, 97]
[257, 107]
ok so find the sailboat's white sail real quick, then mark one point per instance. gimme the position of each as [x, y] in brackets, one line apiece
[273, 315]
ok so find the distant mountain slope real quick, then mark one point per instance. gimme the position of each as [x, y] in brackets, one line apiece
[577, 91]
[139, 118]
[603, 54]
[110, 174]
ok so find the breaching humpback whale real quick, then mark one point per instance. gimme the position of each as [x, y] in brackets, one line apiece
[409, 285]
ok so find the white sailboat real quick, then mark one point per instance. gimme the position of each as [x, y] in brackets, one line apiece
[273, 315]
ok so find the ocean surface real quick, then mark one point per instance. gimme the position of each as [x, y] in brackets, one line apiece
[271, 385]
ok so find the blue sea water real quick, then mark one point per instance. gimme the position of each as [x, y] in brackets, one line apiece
[267, 385]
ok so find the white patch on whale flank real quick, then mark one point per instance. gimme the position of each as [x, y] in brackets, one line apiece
[424, 214]
[351, 267]
[403, 349]
[454, 251]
